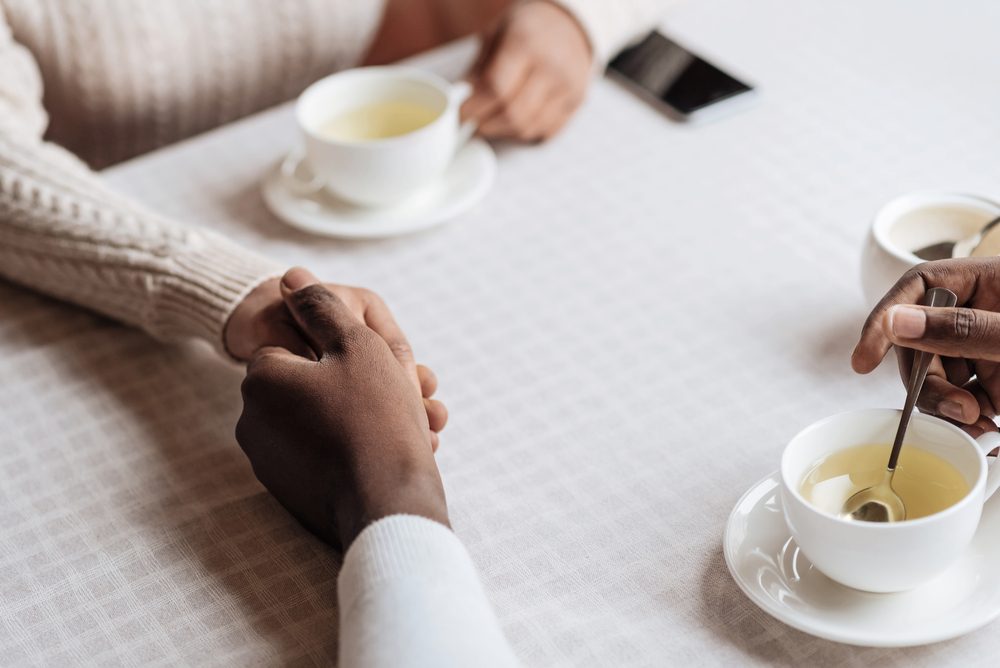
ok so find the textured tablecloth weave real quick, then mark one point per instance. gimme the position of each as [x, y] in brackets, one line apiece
[627, 331]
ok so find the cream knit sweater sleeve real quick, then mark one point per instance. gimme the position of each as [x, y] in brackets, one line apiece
[613, 24]
[65, 233]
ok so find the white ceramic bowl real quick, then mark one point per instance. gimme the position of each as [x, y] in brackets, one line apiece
[914, 221]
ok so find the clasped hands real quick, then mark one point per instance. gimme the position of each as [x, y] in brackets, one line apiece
[338, 420]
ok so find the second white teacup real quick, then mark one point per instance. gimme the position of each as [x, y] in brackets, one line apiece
[911, 222]
[376, 167]
[886, 557]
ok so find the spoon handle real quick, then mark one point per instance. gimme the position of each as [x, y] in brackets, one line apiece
[936, 297]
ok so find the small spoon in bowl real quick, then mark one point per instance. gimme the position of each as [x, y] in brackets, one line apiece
[961, 248]
[880, 503]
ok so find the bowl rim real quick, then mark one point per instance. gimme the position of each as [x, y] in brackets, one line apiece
[899, 206]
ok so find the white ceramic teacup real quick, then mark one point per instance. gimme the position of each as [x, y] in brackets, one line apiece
[383, 171]
[890, 557]
[911, 222]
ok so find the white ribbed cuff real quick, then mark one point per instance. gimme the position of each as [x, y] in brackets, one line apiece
[209, 280]
[402, 546]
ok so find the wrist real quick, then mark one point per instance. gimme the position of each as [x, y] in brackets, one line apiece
[239, 335]
[412, 488]
[568, 12]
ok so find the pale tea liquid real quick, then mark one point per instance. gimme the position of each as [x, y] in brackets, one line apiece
[378, 121]
[926, 483]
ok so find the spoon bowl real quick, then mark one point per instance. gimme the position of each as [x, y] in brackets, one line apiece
[961, 248]
[879, 503]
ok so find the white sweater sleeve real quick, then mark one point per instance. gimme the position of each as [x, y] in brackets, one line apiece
[612, 24]
[65, 233]
[409, 597]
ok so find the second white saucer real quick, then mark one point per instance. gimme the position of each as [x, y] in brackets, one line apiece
[771, 570]
[462, 186]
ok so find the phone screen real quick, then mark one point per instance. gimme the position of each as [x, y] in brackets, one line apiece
[674, 75]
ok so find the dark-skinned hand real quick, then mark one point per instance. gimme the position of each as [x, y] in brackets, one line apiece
[963, 383]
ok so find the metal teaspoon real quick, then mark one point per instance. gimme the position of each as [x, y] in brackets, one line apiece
[880, 503]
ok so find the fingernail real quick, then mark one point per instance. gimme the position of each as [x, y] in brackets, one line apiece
[907, 322]
[297, 278]
[951, 409]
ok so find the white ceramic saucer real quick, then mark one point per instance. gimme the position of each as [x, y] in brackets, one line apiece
[464, 184]
[769, 568]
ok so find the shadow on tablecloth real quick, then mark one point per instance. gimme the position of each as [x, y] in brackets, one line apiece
[144, 533]
[731, 616]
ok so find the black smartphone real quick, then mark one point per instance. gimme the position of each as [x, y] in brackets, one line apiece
[686, 87]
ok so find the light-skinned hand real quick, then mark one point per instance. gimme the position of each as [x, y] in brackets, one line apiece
[531, 75]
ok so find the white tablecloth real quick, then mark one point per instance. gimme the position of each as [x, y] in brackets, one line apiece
[627, 330]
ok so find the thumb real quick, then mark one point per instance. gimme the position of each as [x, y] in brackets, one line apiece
[952, 332]
[321, 315]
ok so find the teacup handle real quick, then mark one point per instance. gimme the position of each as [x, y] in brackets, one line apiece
[290, 174]
[459, 93]
[987, 443]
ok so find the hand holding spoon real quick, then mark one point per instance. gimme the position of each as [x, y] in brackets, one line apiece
[880, 503]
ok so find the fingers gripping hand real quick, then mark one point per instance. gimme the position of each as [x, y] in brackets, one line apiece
[341, 440]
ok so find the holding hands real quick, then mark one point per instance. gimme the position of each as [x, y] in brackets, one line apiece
[341, 437]
[963, 384]
[264, 320]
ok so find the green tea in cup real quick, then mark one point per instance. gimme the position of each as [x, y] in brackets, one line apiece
[925, 482]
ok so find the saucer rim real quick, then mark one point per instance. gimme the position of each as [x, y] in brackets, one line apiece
[826, 631]
[271, 189]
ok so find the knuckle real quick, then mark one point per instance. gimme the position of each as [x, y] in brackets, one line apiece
[372, 297]
[312, 298]
[308, 304]
[250, 387]
[918, 274]
[493, 82]
[243, 431]
[964, 323]
[512, 118]
[401, 349]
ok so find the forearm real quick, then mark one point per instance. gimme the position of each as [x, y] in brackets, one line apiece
[63, 232]
[409, 596]
[411, 26]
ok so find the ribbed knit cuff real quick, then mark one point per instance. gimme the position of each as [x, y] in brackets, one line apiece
[208, 281]
[403, 546]
[610, 26]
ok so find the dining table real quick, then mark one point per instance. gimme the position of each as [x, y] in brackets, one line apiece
[628, 329]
